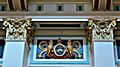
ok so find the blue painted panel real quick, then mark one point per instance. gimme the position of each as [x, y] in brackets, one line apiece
[64, 42]
[34, 60]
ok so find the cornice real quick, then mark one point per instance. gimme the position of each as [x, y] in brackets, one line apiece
[95, 13]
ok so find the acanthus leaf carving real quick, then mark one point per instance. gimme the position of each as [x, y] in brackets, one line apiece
[101, 28]
[17, 29]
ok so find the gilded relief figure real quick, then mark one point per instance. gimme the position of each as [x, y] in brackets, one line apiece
[50, 47]
[69, 47]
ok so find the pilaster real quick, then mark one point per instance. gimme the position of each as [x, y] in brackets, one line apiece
[19, 34]
[100, 35]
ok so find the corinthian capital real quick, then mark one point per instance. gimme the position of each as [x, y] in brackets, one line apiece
[17, 28]
[102, 28]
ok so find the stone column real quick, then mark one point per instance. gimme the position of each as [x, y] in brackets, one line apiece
[101, 36]
[19, 34]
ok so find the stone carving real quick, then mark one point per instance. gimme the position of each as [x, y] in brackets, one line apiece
[17, 28]
[101, 28]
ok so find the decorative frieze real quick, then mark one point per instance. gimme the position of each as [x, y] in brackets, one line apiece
[101, 28]
[17, 29]
[59, 50]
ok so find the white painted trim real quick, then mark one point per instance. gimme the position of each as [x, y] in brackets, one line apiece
[118, 19]
[58, 19]
[58, 65]
[59, 2]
